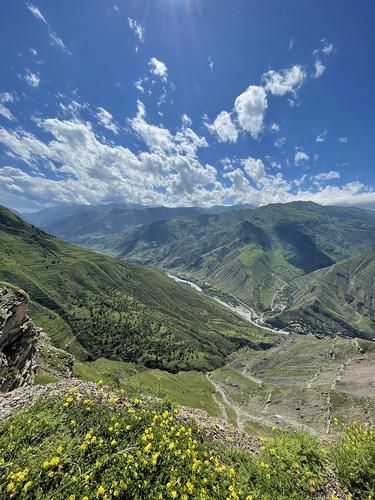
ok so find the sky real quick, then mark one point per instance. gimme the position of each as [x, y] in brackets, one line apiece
[186, 102]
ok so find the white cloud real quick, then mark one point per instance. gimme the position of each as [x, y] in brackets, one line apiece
[300, 158]
[327, 176]
[31, 79]
[328, 48]
[137, 29]
[158, 68]
[116, 8]
[55, 39]
[4, 111]
[319, 68]
[251, 107]
[210, 63]
[343, 140]
[284, 81]
[36, 13]
[186, 120]
[322, 137]
[279, 143]
[291, 44]
[6, 97]
[254, 168]
[33, 52]
[88, 170]
[275, 127]
[223, 127]
[106, 120]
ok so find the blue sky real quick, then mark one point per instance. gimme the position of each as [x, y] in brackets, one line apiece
[186, 102]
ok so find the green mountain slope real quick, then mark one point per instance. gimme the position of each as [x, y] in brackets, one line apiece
[96, 306]
[337, 299]
[101, 226]
[253, 253]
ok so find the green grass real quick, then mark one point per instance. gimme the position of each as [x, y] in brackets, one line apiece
[353, 455]
[184, 388]
[95, 306]
[44, 378]
[76, 446]
[79, 445]
[250, 253]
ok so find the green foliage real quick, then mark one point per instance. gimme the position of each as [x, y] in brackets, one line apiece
[184, 388]
[95, 306]
[78, 447]
[254, 253]
[353, 455]
[336, 298]
[290, 466]
[44, 378]
[108, 446]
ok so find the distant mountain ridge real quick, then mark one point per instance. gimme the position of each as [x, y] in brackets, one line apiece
[92, 225]
[253, 254]
[338, 298]
[258, 254]
[96, 306]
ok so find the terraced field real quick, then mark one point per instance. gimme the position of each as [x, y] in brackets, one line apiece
[301, 384]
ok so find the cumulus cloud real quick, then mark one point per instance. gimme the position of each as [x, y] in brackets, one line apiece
[343, 140]
[251, 107]
[186, 120]
[31, 79]
[87, 170]
[6, 113]
[322, 137]
[223, 127]
[137, 29]
[328, 48]
[158, 68]
[254, 168]
[327, 176]
[210, 63]
[71, 163]
[106, 120]
[279, 143]
[6, 97]
[300, 158]
[275, 127]
[285, 81]
[319, 68]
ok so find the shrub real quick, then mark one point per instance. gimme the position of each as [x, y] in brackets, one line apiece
[353, 456]
[78, 447]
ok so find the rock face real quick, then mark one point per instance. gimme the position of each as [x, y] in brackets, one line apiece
[18, 339]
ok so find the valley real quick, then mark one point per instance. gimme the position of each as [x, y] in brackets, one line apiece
[273, 259]
[195, 334]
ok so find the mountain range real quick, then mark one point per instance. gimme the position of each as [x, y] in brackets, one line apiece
[96, 306]
[282, 260]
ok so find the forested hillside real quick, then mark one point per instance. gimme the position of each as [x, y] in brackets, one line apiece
[96, 306]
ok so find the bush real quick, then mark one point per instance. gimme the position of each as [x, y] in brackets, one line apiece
[353, 456]
[79, 448]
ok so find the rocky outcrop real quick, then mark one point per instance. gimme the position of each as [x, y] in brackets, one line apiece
[18, 339]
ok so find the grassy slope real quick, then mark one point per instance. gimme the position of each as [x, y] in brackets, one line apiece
[184, 388]
[96, 306]
[340, 297]
[80, 447]
[251, 253]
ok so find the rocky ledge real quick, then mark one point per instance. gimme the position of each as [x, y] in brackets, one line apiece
[18, 339]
